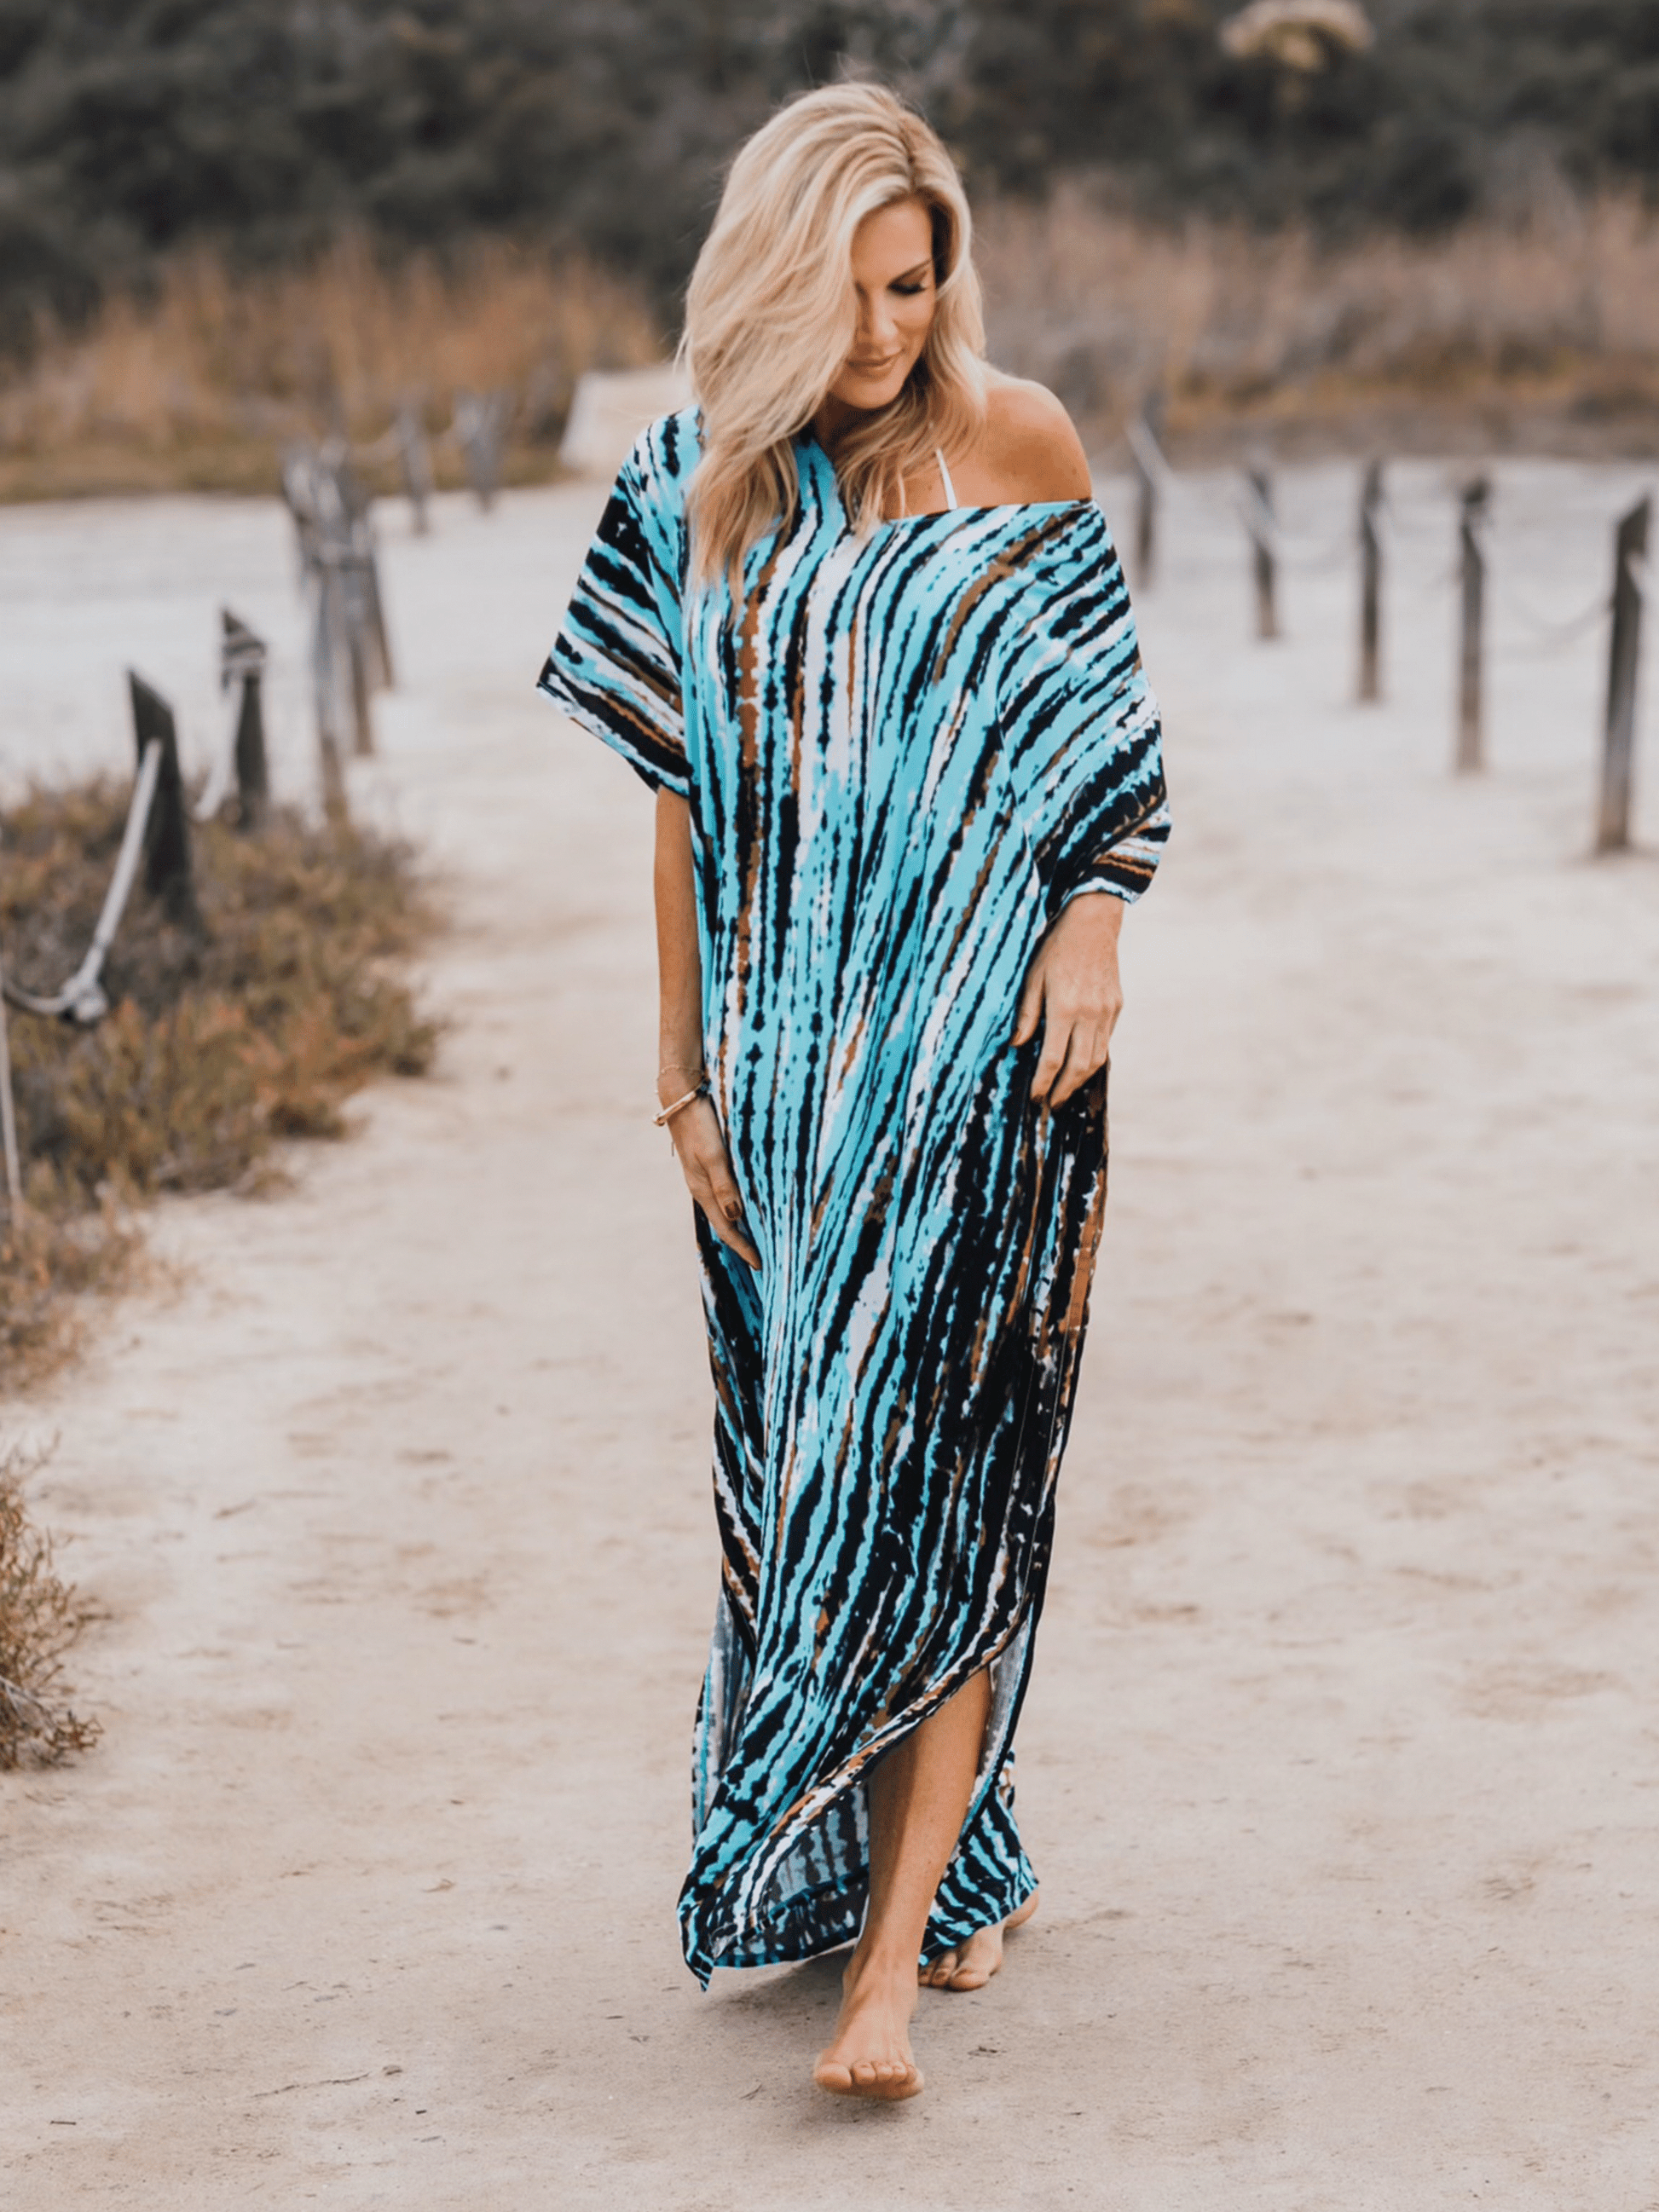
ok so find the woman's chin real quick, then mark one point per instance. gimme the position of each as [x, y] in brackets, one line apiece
[867, 393]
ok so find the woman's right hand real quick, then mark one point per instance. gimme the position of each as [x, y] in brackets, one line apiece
[707, 1166]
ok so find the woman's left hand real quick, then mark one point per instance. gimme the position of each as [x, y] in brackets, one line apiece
[1072, 988]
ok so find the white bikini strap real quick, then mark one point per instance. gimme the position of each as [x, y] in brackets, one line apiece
[944, 474]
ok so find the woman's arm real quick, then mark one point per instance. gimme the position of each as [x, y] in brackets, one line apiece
[1072, 988]
[1029, 450]
[695, 1129]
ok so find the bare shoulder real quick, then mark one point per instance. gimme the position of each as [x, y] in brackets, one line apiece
[1029, 444]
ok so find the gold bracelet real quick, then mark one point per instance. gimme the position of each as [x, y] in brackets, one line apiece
[660, 1120]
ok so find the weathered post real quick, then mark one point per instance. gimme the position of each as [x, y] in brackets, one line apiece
[242, 661]
[1145, 449]
[351, 585]
[380, 645]
[367, 611]
[1629, 547]
[313, 499]
[167, 831]
[300, 467]
[350, 657]
[343, 584]
[480, 426]
[416, 456]
[1370, 583]
[327, 652]
[1471, 524]
[1264, 537]
[9, 1121]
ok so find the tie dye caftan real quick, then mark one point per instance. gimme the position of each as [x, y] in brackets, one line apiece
[904, 753]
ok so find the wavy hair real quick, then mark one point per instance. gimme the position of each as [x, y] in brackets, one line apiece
[772, 312]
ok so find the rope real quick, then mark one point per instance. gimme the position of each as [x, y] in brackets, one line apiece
[82, 999]
[223, 772]
[1554, 633]
[1147, 451]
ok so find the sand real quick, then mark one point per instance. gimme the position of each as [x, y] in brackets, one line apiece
[1340, 1767]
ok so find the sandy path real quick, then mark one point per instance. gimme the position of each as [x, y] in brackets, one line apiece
[1340, 1766]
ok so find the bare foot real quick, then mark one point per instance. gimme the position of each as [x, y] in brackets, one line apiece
[972, 1963]
[870, 2054]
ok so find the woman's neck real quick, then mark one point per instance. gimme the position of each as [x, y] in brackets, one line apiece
[833, 419]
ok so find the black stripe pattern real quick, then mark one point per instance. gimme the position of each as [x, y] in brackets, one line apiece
[904, 753]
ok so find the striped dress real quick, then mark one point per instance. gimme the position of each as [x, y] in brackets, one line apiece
[904, 752]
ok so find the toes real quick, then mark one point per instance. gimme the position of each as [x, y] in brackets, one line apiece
[888, 2080]
[969, 1978]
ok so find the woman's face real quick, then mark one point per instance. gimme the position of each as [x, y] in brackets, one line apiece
[893, 276]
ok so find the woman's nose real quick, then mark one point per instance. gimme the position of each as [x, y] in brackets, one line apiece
[875, 326]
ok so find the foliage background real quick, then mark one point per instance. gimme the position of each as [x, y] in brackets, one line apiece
[268, 128]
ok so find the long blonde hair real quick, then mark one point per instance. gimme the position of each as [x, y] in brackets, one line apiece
[772, 312]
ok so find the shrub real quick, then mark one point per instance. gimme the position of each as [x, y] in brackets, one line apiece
[222, 1041]
[40, 1617]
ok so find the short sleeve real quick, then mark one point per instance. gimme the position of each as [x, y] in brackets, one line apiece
[615, 664]
[1080, 726]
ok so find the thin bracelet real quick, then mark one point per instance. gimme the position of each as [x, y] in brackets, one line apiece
[659, 1121]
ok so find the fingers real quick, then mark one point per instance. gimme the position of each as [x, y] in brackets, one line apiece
[1071, 1055]
[1031, 1005]
[707, 1166]
[723, 1211]
[1085, 1052]
[1056, 1036]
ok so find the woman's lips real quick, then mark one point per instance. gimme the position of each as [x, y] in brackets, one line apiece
[872, 367]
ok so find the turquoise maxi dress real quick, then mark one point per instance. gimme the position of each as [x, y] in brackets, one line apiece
[904, 752]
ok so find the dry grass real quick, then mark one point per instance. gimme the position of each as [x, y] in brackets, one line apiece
[1554, 319]
[221, 1041]
[39, 1617]
[196, 386]
[1558, 318]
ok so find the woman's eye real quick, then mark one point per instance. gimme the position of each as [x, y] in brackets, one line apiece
[910, 290]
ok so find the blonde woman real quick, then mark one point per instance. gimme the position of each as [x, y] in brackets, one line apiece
[855, 620]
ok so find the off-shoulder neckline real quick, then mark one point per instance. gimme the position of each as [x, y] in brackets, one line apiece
[990, 506]
[809, 439]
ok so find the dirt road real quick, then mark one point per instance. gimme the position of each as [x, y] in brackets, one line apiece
[1340, 1766]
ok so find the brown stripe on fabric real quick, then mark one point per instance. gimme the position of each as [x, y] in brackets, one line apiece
[1088, 1242]
[1001, 567]
[748, 663]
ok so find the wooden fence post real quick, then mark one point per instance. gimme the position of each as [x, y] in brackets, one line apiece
[1370, 583]
[480, 427]
[351, 656]
[1629, 547]
[1471, 522]
[242, 661]
[415, 455]
[1259, 521]
[8, 1123]
[351, 585]
[367, 610]
[327, 651]
[379, 644]
[167, 831]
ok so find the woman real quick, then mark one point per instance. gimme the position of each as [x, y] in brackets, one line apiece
[856, 622]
